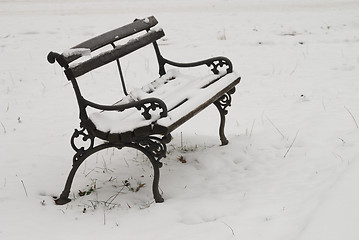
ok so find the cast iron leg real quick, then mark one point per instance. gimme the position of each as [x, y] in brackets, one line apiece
[155, 149]
[151, 154]
[64, 197]
[156, 169]
[156, 179]
[222, 103]
[79, 157]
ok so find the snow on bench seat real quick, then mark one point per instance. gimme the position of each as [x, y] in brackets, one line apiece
[181, 93]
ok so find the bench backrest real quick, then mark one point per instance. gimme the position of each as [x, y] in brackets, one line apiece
[111, 55]
[114, 35]
[106, 56]
[109, 38]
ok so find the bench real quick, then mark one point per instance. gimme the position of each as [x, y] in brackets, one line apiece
[145, 117]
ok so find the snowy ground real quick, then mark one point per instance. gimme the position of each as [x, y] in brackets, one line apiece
[289, 172]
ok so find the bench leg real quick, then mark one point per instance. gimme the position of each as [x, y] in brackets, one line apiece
[155, 149]
[222, 103]
[64, 197]
[79, 157]
[156, 172]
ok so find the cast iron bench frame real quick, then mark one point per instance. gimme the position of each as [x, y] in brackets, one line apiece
[152, 139]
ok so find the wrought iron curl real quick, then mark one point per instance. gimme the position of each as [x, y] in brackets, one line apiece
[156, 146]
[225, 100]
[85, 137]
[151, 106]
[216, 64]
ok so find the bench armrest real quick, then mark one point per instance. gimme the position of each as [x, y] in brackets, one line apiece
[146, 104]
[214, 63]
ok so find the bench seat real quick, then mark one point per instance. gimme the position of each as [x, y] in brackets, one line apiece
[196, 94]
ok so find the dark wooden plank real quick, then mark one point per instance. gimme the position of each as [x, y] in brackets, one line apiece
[173, 126]
[116, 53]
[115, 35]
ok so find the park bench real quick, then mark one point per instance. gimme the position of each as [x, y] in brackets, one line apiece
[145, 117]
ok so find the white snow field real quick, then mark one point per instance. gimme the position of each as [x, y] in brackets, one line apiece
[290, 171]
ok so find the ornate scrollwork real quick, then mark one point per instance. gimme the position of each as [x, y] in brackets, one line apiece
[152, 105]
[225, 101]
[156, 146]
[85, 137]
[216, 64]
[222, 103]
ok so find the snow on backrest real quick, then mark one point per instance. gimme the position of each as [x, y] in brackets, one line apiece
[114, 35]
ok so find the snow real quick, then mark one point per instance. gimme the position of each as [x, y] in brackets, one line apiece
[146, 20]
[338, 214]
[77, 51]
[298, 98]
[193, 94]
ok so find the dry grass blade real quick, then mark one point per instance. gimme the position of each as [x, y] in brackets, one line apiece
[275, 127]
[356, 124]
[291, 145]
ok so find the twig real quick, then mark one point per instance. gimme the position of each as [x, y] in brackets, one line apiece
[24, 187]
[352, 116]
[104, 165]
[275, 127]
[114, 196]
[229, 227]
[291, 145]
[44, 87]
[295, 68]
[89, 172]
[85, 168]
[3, 127]
[128, 165]
[181, 141]
[250, 134]
[323, 105]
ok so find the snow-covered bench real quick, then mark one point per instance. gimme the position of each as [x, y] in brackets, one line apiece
[146, 116]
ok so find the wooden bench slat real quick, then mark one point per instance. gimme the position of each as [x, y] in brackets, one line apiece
[179, 116]
[193, 99]
[119, 51]
[115, 35]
